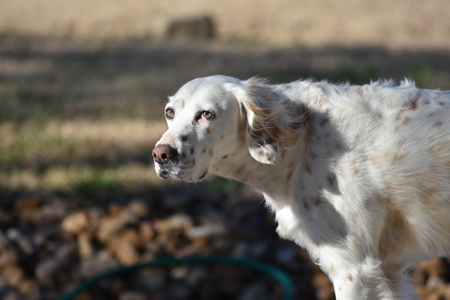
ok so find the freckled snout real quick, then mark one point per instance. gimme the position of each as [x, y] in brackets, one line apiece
[162, 154]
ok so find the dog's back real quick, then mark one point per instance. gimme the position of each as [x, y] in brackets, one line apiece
[388, 146]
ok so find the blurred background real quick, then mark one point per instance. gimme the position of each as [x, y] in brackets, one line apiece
[82, 90]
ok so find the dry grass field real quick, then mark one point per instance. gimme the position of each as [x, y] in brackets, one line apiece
[83, 83]
[108, 66]
[411, 24]
[48, 87]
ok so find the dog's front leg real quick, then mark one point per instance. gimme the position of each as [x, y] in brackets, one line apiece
[360, 279]
[365, 281]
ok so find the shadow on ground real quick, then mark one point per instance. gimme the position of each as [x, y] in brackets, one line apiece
[71, 78]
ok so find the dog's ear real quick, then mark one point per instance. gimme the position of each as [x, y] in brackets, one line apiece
[269, 117]
[262, 144]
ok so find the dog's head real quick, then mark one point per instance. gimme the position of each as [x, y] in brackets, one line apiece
[217, 117]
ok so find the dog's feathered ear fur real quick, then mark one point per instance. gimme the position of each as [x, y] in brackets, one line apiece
[271, 119]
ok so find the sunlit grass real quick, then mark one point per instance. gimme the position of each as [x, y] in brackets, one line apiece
[77, 154]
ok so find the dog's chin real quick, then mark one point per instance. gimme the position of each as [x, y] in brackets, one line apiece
[183, 176]
[194, 178]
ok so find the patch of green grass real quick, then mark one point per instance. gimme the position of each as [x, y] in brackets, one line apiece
[94, 183]
[422, 75]
[77, 155]
[355, 73]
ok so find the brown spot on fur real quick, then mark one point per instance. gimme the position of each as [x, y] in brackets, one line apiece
[399, 115]
[204, 150]
[405, 120]
[211, 152]
[184, 138]
[240, 170]
[401, 142]
[295, 125]
[256, 110]
[191, 151]
[318, 201]
[438, 124]
[221, 136]
[208, 130]
[305, 205]
[413, 104]
[430, 192]
[367, 205]
[440, 149]
[262, 153]
[332, 180]
[313, 155]
[397, 221]
[397, 232]
[398, 157]
[308, 168]
[288, 177]
[309, 134]
[339, 146]
[325, 121]
[225, 156]
[355, 167]
[193, 162]
[350, 277]
[255, 134]
[332, 270]
[357, 139]
[373, 160]
[183, 154]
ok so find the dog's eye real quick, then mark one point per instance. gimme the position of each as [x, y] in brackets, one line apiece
[170, 113]
[207, 115]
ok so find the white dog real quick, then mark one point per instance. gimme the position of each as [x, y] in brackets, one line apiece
[357, 175]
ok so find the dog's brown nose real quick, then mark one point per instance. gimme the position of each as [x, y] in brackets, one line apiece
[163, 153]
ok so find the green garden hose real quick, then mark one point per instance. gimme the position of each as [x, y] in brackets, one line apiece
[272, 271]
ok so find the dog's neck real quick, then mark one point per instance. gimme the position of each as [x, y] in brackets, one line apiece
[271, 180]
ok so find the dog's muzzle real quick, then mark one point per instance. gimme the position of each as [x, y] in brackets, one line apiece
[168, 165]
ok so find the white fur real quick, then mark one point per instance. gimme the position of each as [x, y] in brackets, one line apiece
[357, 175]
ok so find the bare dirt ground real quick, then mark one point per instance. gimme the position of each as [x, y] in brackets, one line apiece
[82, 85]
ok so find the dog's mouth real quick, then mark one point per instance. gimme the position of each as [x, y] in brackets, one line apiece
[203, 175]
